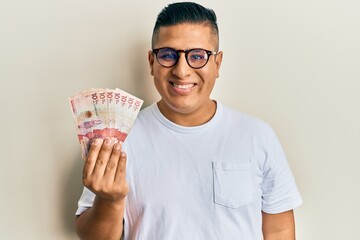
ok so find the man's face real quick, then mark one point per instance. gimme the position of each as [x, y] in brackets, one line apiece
[185, 91]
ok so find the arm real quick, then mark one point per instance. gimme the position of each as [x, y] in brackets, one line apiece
[104, 174]
[279, 226]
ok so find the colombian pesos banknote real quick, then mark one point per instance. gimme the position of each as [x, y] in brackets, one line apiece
[103, 113]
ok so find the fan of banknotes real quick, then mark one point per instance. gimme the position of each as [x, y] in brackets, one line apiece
[103, 113]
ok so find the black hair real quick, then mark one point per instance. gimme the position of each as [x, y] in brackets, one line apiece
[185, 12]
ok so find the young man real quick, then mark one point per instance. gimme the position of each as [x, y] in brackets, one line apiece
[195, 169]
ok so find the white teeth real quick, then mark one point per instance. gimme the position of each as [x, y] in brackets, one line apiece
[184, 86]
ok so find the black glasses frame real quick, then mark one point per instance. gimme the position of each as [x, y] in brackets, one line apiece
[208, 52]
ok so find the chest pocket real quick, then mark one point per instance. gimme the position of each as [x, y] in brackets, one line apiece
[233, 184]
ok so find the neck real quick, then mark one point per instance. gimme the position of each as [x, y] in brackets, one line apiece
[189, 119]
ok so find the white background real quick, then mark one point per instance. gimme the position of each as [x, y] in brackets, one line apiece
[295, 64]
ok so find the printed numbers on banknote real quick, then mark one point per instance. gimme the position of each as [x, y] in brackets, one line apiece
[103, 113]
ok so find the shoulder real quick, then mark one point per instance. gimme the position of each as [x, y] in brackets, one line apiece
[144, 117]
[244, 121]
[145, 112]
[143, 126]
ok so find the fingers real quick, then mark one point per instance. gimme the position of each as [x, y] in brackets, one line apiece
[103, 158]
[92, 157]
[112, 165]
[121, 169]
[105, 170]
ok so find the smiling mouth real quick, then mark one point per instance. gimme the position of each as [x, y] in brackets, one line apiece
[182, 86]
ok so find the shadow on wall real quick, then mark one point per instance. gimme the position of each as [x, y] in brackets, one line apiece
[71, 192]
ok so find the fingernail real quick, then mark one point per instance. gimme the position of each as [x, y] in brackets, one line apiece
[107, 141]
[123, 154]
[97, 141]
[117, 146]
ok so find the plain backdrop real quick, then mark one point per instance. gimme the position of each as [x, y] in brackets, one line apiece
[294, 64]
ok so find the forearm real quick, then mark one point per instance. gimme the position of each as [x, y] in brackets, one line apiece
[280, 235]
[279, 226]
[104, 220]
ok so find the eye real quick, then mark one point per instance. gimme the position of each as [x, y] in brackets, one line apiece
[167, 55]
[197, 55]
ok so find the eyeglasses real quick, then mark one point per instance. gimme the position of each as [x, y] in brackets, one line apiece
[196, 58]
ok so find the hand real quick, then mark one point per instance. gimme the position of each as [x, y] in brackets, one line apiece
[105, 170]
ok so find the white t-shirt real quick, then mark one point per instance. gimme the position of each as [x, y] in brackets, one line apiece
[205, 182]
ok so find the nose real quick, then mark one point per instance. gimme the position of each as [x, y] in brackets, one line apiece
[182, 68]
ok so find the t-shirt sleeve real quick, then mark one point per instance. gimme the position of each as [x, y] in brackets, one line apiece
[279, 190]
[86, 201]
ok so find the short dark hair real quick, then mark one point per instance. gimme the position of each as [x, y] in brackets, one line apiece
[185, 12]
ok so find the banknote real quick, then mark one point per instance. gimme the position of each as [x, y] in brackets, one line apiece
[103, 113]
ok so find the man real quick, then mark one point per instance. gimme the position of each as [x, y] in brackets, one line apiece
[195, 169]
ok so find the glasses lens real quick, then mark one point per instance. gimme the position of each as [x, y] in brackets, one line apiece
[197, 58]
[167, 57]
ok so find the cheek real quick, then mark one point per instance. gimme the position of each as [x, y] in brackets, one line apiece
[159, 78]
[208, 76]
[158, 86]
[160, 73]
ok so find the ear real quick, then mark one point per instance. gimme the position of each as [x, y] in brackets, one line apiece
[151, 60]
[218, 61]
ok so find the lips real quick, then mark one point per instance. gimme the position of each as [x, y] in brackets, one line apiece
[183, 86]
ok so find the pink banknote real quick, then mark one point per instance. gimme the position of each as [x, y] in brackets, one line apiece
[103, 113]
